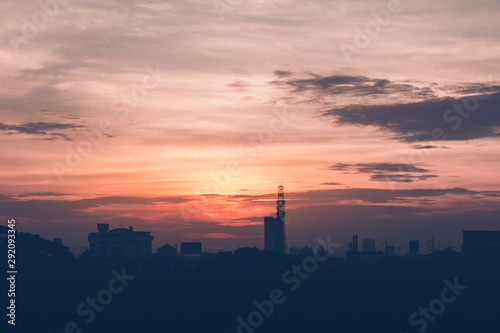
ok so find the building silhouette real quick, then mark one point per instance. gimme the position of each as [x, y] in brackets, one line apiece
[166, 251]
[191, 248]
[274, 227]
[389, 250]
[414, 247]
[305, 251]
[368, 255]
[119, 242]
[83, 249]
[477, 242]
[368, 245]
[353, 247]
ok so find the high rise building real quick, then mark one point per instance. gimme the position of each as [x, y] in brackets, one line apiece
[353, 247]
[270, 233]
[368, 255]
[274, 227]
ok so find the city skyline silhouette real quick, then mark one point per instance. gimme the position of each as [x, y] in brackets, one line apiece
[249, 166]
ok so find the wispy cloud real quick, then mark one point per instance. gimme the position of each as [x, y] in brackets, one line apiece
[385, 171]
[376, 167]
[402, 178]
[353, 88]
[46, 131]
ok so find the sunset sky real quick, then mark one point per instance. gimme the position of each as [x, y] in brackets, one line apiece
[381, 118]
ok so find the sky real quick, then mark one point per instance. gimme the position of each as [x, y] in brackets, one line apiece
[380, 118]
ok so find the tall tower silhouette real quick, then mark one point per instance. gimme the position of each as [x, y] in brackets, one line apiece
[280, 221]
[274, 228]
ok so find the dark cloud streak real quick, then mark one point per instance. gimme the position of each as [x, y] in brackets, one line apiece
[47, 130]
[407, 111]
[385, 171]
[418, 121]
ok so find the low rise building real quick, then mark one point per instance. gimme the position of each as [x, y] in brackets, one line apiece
[119, 243]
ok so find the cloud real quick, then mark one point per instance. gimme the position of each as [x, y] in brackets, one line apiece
[403, 178]
[376, 167]
[385, 171]
[424, 147]
[324, 89]
[331, 183]
[372, 195]
[367, 195]
[351, 207]
[91, 208]
[409, 111]
[41, 194]
[239, 85]
[418, 121]
[70, 116]
[281, 73]
[397, 223]
[73, 210]
[48, 131]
